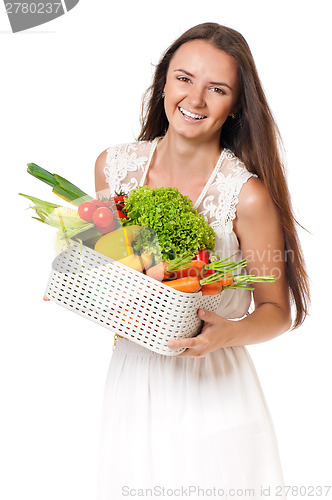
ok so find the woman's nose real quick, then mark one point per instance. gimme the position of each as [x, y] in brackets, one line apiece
[196, 96]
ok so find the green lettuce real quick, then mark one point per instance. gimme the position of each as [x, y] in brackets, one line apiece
[179, 227]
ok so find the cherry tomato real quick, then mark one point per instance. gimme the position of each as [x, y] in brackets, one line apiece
[119, 199]
[121, 215]
[117, 208]
[86, 210]
[108, 203]
[118, 213]
[109, 228]
[97, 202]
[102, 217]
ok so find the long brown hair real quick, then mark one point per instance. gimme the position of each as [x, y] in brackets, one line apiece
[252, 135]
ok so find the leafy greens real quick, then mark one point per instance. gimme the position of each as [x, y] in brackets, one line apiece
[180, 229]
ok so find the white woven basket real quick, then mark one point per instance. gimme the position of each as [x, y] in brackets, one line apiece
[125, 301]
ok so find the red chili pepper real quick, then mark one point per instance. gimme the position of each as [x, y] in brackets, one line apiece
[203, 255]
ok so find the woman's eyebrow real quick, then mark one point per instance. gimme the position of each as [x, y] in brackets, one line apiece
[212, 83]
[184, 71]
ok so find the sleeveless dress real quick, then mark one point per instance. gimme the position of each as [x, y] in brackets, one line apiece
[187, 426]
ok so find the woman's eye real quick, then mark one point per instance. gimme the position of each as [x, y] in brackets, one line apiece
[218, 90]
[183, 79]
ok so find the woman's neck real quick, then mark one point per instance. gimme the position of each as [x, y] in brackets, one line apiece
[184, 157]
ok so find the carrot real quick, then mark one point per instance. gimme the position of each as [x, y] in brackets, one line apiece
[159, 271]
[211, 288]
[208, 272]
[179, 267]
[188, 285]
[196, 268]
[215, 287]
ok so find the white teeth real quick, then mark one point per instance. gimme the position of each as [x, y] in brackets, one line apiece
[191, 115]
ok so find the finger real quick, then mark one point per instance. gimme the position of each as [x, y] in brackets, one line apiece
[46, 298]
[204, 315]
[182, 343]
[190, 353]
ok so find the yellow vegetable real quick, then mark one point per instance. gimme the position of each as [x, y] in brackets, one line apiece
[67, 212]
[132, 261]
[132, 232]
[117, 244]
[147, 259]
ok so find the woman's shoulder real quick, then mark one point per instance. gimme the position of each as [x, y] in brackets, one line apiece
[116, 163]
[121, 151]
[255, 202]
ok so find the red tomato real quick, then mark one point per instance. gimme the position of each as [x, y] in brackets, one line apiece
[119, 199]
[108, 203]
[109, 228]
[86, 210]
[117, 213]
[117, 208]
[121, 215]
[97, 202]
[102, 217]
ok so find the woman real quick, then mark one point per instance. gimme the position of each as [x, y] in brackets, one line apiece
[200, 419]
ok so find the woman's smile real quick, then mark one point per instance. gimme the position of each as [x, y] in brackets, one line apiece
[191, 117]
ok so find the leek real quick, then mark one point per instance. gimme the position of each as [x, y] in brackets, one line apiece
[61, 186]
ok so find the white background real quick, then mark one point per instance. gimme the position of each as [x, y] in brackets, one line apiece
[70, 89]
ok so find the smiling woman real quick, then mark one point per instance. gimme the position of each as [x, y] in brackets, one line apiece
[193, 94]
[201, 417]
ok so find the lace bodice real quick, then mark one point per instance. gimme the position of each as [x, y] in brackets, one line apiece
[126, 168]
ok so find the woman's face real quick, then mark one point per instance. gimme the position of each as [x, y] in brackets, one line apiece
[202, 89]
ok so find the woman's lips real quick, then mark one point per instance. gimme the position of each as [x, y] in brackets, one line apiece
[191, 117]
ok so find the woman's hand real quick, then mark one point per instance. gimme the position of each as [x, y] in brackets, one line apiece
[214, 335]
[46, 298]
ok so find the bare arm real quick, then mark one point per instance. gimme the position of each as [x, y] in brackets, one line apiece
[261, 240]
[102, 188]
[262, 243]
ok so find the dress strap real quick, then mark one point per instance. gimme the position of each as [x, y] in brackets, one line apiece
[221, 198]
[211, 179]
[110, 170]
[152, 150]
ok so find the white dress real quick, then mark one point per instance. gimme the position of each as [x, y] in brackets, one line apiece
[186, 427]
